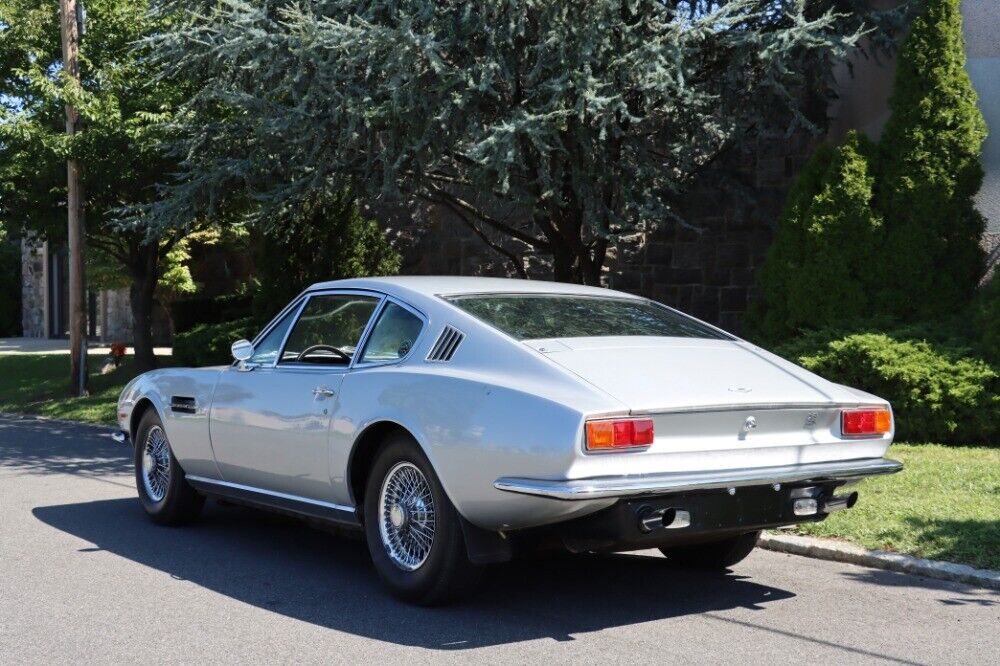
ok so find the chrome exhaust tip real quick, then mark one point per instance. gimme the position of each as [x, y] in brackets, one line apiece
[839, 502]
[671, 519]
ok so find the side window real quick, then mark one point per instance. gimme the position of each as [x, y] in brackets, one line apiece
[329, 329]
[266, 351]
[393, 335]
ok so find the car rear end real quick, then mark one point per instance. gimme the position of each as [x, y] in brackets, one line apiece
[721, 438]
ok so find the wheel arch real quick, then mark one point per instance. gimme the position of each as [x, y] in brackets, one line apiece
[365, 449]
[142, 405]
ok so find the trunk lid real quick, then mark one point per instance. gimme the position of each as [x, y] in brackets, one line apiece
[653, 374]
[702, 395]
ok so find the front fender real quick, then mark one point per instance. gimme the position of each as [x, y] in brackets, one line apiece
[187, 429]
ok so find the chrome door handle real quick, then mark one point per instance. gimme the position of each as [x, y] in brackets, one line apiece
[323, 392]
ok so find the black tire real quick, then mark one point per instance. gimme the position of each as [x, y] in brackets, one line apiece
[180, 503]
[713, 556]
[445, 573]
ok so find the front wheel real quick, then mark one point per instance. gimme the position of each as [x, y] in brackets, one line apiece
[413, 531]
[713, 556]
[163, 491]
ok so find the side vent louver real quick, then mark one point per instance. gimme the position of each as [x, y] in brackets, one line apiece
[446, 345]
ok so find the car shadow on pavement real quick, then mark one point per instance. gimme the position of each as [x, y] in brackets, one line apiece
[283, 566]
[38, 446]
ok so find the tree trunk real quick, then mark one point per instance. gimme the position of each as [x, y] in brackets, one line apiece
[141, 297]
[144, 277]
[562, 263]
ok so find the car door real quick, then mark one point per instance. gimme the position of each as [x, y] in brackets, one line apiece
[271, 416]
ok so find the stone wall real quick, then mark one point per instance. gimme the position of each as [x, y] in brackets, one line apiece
[33, 288]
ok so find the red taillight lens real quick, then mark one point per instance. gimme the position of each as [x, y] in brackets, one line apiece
[621, 434]
[856, 422]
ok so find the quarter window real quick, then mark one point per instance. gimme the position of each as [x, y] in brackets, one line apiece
[329, 329]
[393, 335]
[266, 350]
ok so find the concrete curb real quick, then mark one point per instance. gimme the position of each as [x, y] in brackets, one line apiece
[837, 551]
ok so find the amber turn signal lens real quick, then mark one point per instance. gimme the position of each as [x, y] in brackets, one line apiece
[619, 434]
[857, 422]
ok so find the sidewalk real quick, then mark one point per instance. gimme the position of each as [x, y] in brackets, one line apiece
[47, 346]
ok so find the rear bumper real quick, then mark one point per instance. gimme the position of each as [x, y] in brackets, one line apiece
[677, 482]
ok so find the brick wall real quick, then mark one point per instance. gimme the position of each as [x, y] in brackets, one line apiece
[709, 268]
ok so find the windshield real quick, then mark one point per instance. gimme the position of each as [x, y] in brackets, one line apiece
[534, 316]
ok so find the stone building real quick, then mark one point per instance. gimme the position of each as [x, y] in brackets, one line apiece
[45, 299]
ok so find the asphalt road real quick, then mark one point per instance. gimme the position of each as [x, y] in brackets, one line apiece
[85, 577]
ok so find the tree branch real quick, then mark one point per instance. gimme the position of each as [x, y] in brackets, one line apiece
[515, 261]
[443, 196]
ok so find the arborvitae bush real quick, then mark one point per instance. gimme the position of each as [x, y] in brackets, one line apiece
[895, 236]
[818, 272]
[929, 172]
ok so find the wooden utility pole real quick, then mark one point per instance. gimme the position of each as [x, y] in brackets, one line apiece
[70, 23]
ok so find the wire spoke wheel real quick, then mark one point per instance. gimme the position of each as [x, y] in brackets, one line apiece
[406, 516]
[156, 464]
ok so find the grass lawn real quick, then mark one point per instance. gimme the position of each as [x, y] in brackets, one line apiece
[39, 384]
[945, 505]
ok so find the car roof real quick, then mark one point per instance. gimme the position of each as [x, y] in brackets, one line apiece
[444, 285]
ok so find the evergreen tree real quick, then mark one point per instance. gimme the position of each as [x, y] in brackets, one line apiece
[560, 125]
[930, 171]
[819, 271]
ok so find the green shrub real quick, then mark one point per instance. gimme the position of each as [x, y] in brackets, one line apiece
[939, 391]
[986, 319]
[186, 313]
[327, 239]
[819, 272]
[209, 344]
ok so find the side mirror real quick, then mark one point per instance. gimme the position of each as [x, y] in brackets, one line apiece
[242, 350]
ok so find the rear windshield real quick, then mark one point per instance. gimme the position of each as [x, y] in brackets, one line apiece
[533, 316]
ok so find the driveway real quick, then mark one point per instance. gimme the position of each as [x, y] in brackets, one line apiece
[85, 577]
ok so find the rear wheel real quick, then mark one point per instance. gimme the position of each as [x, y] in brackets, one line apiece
[163, 491]
[414, 532]
[713, 556]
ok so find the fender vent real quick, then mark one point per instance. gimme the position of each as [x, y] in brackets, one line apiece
[182, 404]
[446, 345]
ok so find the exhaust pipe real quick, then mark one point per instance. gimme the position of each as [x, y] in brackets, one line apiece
[671, 519]
[839, 502]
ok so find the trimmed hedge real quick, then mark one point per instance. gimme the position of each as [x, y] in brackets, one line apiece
[939, 391]
[209, 344]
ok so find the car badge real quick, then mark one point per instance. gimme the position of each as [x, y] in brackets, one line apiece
[739, 389]
[810, 419]
[749, 424]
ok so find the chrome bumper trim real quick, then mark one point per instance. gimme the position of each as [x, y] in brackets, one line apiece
[602, 487]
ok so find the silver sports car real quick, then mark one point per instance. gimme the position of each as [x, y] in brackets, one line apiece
[460, 421]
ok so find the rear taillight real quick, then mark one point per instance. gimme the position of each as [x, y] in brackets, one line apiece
[619, 434]
[861, 422]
